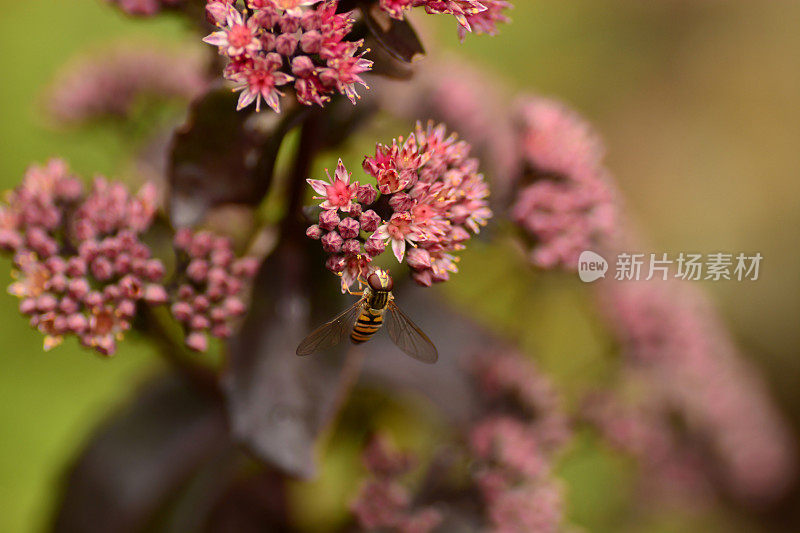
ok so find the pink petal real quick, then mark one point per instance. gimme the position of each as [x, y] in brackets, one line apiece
[218, 38]
[318, 186]
[245, 99]
[399, 249]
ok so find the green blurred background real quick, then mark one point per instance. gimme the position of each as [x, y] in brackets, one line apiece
[697, 102]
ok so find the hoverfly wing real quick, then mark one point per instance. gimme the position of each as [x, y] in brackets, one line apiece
[408, 337]
[331, 333]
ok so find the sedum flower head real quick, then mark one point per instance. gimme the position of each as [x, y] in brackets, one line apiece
[672, 334]
[567, 203]
[382, 501]
[430, 199]
[80, 267]
[273, 43]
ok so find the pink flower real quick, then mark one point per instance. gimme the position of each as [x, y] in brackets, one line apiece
[292, 7]
[261, 82]
[485, 21]
[338, 192]
[399, 230]
[144, 8]
[568, 203]
[237, 36]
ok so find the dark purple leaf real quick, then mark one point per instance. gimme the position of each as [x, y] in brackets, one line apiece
[219, 156]
[278, 402]
[139, 458]
[395, 36]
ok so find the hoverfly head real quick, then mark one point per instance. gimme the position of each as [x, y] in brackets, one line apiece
[380, 280]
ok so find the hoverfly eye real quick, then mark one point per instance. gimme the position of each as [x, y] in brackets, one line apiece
[389, 285]
[374, 282]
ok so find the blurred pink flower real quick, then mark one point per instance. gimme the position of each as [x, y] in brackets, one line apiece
[671, 334]
[382, 501]
[113, 83]
[80, 266]
[144, 7]
[567, 202]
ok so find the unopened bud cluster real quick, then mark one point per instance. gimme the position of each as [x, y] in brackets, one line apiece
[211, 291]
[81, 268]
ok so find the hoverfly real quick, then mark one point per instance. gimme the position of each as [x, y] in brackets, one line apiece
[365, 317]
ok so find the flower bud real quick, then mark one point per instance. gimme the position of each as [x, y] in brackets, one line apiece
[328, 220]
[374, 246]
[335, 263]
[351, 247]
[286, 44]
[423, 277]
[311, 42]
[418, 259]
[401, 202]
[315, 232]
[77, 323]
[289, 23]
[197, 341]
[302, 66]
[349, 228]
[155, 294]
[366, 194]
[182, 311]
[199, 322]
[102, 269]
[332, 242]
[369, 220]
[197, 270]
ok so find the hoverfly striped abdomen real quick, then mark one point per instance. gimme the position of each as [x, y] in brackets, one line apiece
[367, 325]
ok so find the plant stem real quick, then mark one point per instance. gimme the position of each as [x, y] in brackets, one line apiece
[197, 375]
[306, 150]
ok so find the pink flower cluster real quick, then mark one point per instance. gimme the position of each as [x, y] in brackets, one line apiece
[272, 43]
[81, 268]
[567, 203]
[432, 199]
[114, 83]
[144, 8]
[479, 16]
[382, 502]
[212, 286]
[674, 338]
[513, 445]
